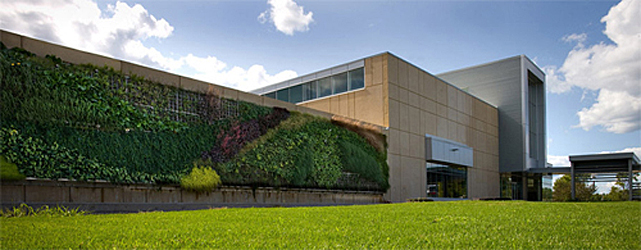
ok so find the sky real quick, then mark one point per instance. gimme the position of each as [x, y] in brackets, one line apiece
[590, 50]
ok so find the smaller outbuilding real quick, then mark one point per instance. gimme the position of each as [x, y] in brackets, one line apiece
[615, 163]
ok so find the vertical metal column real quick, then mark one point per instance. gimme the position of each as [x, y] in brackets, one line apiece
[630, 179]
[572, 181]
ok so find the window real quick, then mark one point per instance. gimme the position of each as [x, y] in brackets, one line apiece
[340, 83]
[296, 94]
[309, 91]
[446, 181]
[271, 95]
[283, 95]
[324, 87]
[356, 79]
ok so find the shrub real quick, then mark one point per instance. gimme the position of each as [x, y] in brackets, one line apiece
[9, 171]
[201, 179]
[57, 211]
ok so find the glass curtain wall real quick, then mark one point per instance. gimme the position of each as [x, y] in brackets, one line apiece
[446, 181]
[331, 85]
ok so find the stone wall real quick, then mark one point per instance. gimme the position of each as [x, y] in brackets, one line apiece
[103, 197]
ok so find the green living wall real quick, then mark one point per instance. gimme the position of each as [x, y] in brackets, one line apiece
[60, 120]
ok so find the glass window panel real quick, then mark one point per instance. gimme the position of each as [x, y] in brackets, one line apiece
[324, 87]
[296, 94]
[356, 79]
[309, 91]
[446, 181]
[271, 95]
[340, 83]
[283, 95]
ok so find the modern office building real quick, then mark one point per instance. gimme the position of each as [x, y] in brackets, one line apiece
[453, 135]
[516, 87]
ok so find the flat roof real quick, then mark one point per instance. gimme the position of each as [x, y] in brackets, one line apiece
[605, 157]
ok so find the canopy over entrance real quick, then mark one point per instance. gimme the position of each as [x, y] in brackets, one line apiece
[627, 163]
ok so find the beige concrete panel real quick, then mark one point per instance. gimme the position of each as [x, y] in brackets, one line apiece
[461, 134]
[493, 147]
[394, 114]
[322, 105]
[334, 105]
[42, 49]
[377, 73]
[393, 91]
[441, 127]
[11, 40]
[385, 69]
[430, 125]
[412, 170]
[475, 183]
[471, 137]
[392, 69]
[404, 115]
[343, 103]
[441, 110]
[351, 106]
[404, 142]
[369, 72]
[403, 95]
[441, 92]
[452, 114]
[369, 105]
[412, 78]
[468, 105]
[493, 117]
[230, 93]
[251, 98]
[494, 183]
[421, 84]
[464, 119]
[311, 111]
[417, 146]
[452, 96]
[460, 100]
[428, 105]
[187, 83]
[481, 142]
[269, 102]
[452, 132]
[394, 140]
[403, 76]
[151, 74]
[395, 177]
[414, 99]
[430, 87]
[493, 131]
[415, 120]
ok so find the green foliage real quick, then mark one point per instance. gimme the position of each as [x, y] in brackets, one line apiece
[9, 171]
[356, 160]
[304, 151]
[44, 211]
[562, 190]
[420, 225]
[201, 179]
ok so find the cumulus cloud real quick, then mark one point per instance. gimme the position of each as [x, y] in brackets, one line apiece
[120, 31]
[287, 16]
[613, 70]
[559, 160]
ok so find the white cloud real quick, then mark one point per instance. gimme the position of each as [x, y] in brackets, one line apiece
[119, 31]
[287, 16]
[611, 69]
[635, 150]
[559, 160]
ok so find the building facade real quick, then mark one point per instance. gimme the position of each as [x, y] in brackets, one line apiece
[443, 141]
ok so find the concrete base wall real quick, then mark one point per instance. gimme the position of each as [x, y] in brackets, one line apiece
[102, 197]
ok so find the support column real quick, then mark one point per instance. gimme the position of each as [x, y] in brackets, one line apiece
[572, 181]
[630, 179]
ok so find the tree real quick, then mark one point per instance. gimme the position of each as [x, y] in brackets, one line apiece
[563, 191]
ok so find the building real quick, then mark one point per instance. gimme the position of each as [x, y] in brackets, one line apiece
[470, 133]
[456, 135]
[516, 87]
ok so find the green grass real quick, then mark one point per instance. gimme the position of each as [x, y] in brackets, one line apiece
[466, 224]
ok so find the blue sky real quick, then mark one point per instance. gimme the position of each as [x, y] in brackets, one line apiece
[589, 49]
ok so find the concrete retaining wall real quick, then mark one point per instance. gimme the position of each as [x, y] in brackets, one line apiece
[103, 197]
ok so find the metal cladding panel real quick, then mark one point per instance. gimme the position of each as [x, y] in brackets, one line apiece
[448, 152]
[501, 84]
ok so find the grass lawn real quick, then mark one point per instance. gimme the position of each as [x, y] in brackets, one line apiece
[461, 224]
